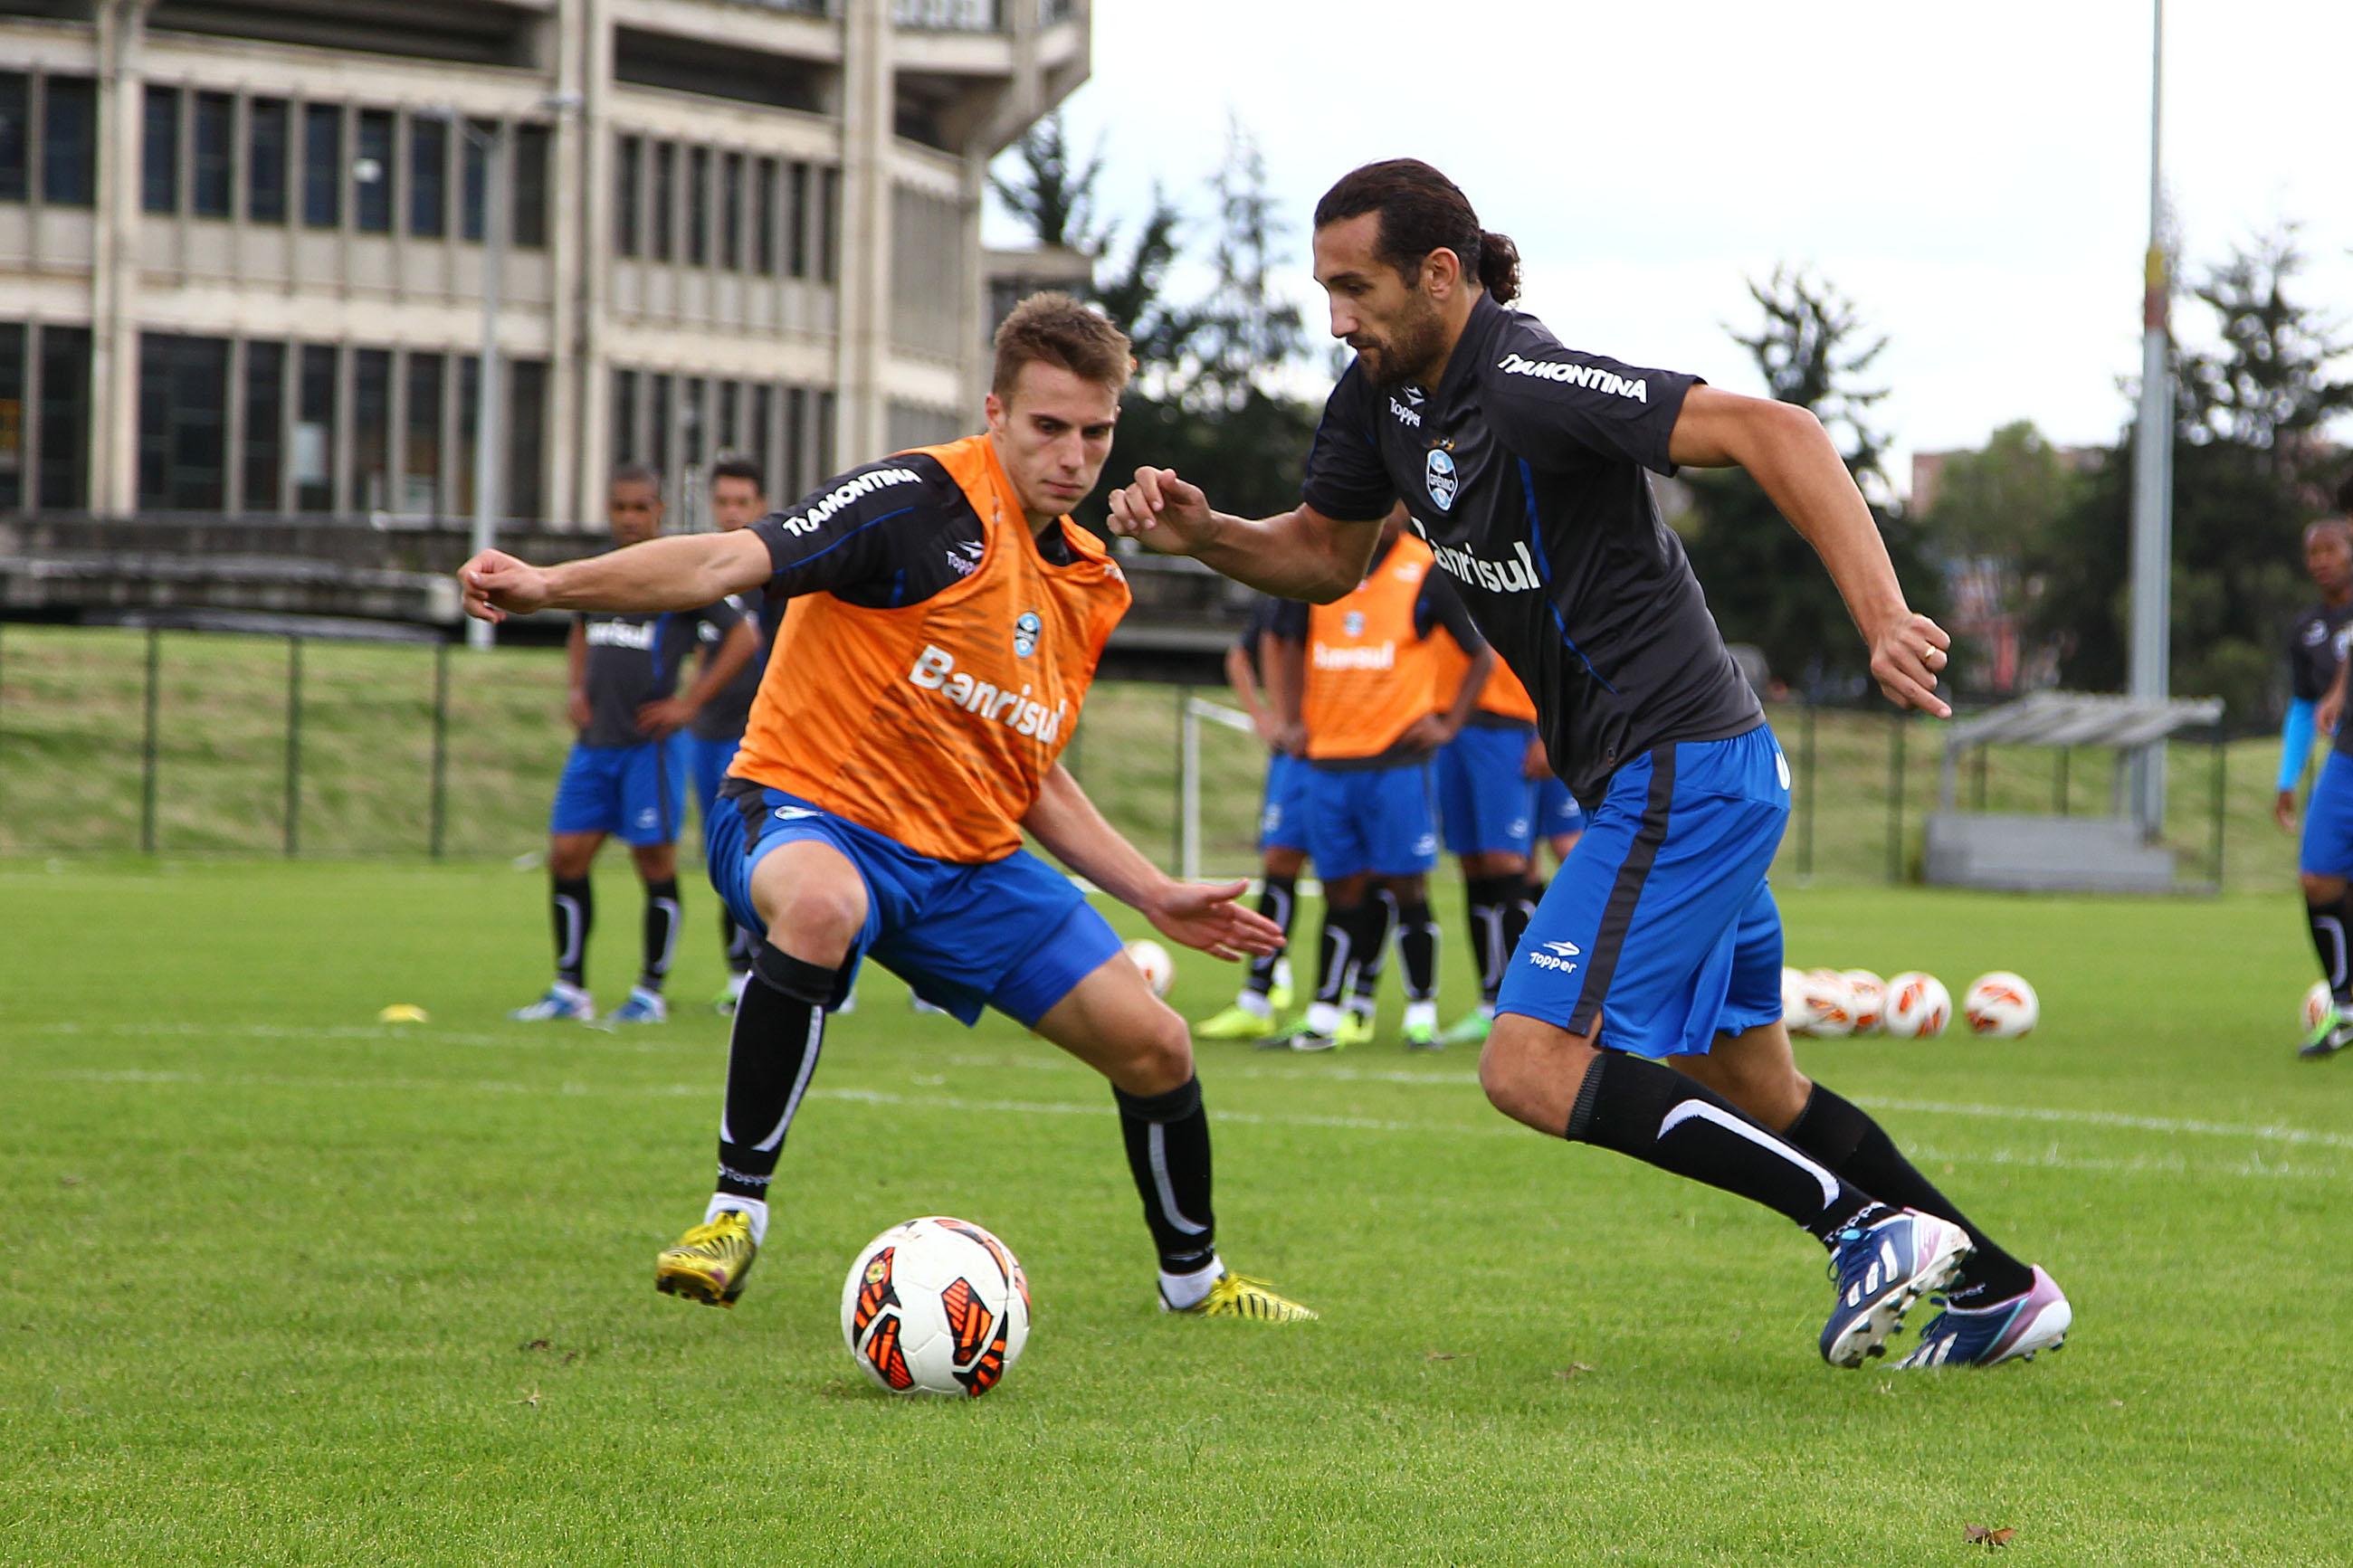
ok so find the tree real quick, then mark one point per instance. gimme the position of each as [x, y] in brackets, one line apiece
[2000, 501]
[2268, 388]
[1248, 334]
[1053, 193]
[1769, 587]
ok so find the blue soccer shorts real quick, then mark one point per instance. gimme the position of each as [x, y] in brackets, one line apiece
[1557, 815]
[1484, 801]
[707, 770]
[636, 792]
[1659, 923]
[1370, 819]
[2327, 849]
[1012, 934]
[1282, 816]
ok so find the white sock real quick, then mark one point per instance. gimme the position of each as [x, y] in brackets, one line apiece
[1421, 1015]
[753, 1209]
[1283, 975]
[1256, 1006]
[1324, 1017]
[1182, 1291]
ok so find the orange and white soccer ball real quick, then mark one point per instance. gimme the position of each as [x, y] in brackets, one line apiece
[2317, 1005]
[936, 1306]
[1797, 1007]
[1867, 1000]
[2000, 1005]
[1159, 969]
[1830, 1003]
[1918, 1005]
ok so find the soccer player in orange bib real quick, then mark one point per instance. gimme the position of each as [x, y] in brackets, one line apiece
[904, 738]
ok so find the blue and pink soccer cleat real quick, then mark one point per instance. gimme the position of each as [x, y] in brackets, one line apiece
[2015, 1329]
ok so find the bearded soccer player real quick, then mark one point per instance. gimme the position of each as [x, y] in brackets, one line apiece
[1641, 1012]
[905, 736]
[2316, 665]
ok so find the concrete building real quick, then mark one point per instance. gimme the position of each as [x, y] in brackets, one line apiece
[244, 243]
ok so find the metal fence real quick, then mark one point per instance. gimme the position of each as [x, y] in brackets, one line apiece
[183, 743]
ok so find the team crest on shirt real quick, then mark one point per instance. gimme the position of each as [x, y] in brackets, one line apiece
[1026, 629]
[1353, 623]
[2316, 634]
[1437, 470]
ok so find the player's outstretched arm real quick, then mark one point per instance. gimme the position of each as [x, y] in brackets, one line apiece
[1296, 554]
[1201, 915]
[684, 572]
[1786, 450]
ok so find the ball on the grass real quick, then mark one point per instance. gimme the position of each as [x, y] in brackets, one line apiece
[1159, 969]
[1830, 1002]
[1797, 1003]
[2316, 1004]
[936, 1306]
[1867, 1000]
[2000, 1005]
[1918, 1005]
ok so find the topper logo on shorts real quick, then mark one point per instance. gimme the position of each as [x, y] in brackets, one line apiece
[1554, 955]
[936, 670]
[1438, 471]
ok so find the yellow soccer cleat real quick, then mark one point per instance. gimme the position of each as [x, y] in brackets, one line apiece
[1355, 1029]
[710, 1262]
[1240, 1296]
[1236, 1023]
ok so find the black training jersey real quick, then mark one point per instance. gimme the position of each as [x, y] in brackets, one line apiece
[1524, 469]
[2314, 648]
[1255, 630]
[633, 659]
[722, 718]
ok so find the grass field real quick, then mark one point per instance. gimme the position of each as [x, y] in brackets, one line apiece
[278, 1285]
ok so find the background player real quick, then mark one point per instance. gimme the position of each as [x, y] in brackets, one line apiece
[739, 498]
[627, 771]
[1281, 834]
[1487, 819]
[1364, 669]
[907, 734]
[1523, 462]
[2315, 679]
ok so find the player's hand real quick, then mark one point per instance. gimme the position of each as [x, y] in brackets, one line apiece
[1291, 739]
[1164, 512]
[1204, 917]
[1269, 728]
[1536, 766]
[1426, 733]
[1904, 659]
[2284, 811]
[576, 708]
[495, 584]
[660, 721]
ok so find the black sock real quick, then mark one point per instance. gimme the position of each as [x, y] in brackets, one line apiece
[574, 901]
[661, 932]
[1844, 1137]
[1418, 946]
[1167, 1138]
[771, 1054]
[1517, 916]
[1378, 920]
[2328, 928]
[737, 943]
[1277, 899]
[1335, 951]
[1486, 900]
[1660, 1117]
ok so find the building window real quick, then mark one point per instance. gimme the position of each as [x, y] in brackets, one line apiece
[797, 224]
[371, 172]
[420, 455]
[526, 382]
[159, 150]
[763, 439]
[825, 426]
[428, 177]
[529, 151]
[12, 416]
[213, 177]
[69, 141]
[265, 427]
[664, 220]
[625, 415]
[475, 155]
[728, 438]
[795, 480]
[314, 432]
[658, 424]
[265, 160]
[731, 211]
[470, 402]
[322, 168]
[16, 112]
[764, 218]
[62, 470]
[628, 177]
[828, 223]
[697, 207]
[694, 418]
[371, 429]
[182, 422]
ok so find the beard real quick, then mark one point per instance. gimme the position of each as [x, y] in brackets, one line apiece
[1409, 355]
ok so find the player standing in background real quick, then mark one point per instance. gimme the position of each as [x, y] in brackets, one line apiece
[1363, 672]
[1282, 835]
[1642, 1011]
[739, 498]
[907, 734]
[2316, 666]
[626, 773]
[1486, 815]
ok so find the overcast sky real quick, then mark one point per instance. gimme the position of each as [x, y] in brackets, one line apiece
[1976, 178]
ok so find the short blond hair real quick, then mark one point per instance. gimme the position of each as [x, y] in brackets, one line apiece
[1057, 330]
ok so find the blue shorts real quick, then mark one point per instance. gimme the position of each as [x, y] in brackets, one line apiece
[1484, 799]
[636, 792]
[1283, 818]
[707, 767]
[2328, 849]
[1013, 934]
[1660, 921]
[1556, 811]
[1370, 819]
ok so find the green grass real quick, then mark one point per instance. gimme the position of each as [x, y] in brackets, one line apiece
[278, 1285]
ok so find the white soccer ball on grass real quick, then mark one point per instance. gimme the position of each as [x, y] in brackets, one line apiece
[1159, 969]
[1918, 1005]
[2000, 1005]
[1867, 1000]
[936, 1306]
[1830, 1003]
[2317, 1003]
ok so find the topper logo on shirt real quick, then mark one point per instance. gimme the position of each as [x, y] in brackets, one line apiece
[1438, 471]
[1026, 629]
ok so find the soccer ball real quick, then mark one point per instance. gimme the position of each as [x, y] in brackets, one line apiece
[1867, 995]
[1796, 1002]
[1918, 1005]
[2001, 1005]
[1159, 969]
[1831, 1003]
[936, 1306]
[2317, 1004]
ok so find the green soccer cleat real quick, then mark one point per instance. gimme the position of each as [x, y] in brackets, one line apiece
[1297, 1036]
[1240, 1296]
[1423, 1037]
[1471, 1029]
[1355, 1029]
[2328, 1036]
[710, 1263]
[1236, 1023]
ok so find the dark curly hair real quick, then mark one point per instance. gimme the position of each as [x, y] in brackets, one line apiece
[1421, 211]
